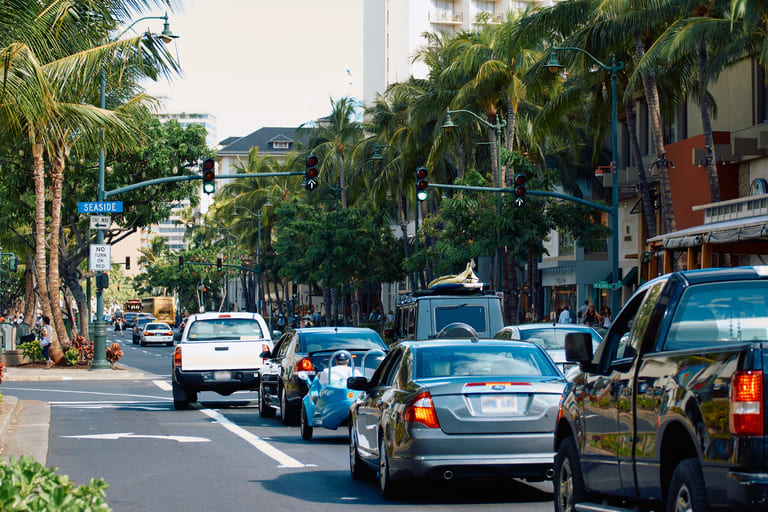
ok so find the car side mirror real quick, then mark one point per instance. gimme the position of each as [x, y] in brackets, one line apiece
[266, 355]
[578, 347]
[357, 383]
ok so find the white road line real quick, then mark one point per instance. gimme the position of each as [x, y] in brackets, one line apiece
[85, 392]
[285, 460]
[165, 386]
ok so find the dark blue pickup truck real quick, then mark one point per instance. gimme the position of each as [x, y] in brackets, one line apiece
[670, 410]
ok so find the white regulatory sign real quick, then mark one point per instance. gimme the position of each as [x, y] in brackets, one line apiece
[101, 221]
[100, 258]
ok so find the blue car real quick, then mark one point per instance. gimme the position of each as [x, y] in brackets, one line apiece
[329, 399]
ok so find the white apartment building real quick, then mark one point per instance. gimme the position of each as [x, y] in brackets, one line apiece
[393, 32]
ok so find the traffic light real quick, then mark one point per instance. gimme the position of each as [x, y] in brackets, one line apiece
[209, 176]
[311, 173]
[127, 263]
[219, 263]
[520, 180]
[181, 261]
[422, 183]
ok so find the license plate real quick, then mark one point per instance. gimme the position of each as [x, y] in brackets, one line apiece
[498, 404]
[222, 375]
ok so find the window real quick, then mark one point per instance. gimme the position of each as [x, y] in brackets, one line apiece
[720, 313]
[280, 144]
[231, 329]
[323, 341]
[474, 316]
[441, 361]
[382, 373]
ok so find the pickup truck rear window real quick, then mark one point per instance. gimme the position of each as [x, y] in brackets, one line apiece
[473, 315]
[230, 329]
[717, 313]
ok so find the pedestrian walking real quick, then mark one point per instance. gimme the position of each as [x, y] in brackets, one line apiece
[45, 342]
[607, 317]
[565, 316]
[591, 318]
[583, 311]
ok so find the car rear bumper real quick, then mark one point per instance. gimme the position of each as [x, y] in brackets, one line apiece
[157, 339]
[221, 381]
[429, 454]
[747, 491]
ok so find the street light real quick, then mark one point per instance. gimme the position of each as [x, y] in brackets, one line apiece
[554, 66]
[99, 327]
[499, 125]
[258, 253]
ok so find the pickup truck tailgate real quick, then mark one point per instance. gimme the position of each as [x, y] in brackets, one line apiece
[223, 355]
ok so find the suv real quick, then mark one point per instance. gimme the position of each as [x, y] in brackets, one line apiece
[671, 408]
[423, 315]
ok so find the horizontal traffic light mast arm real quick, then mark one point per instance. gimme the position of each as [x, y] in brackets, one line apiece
[171, 179]
[543, 193]
[223, 265]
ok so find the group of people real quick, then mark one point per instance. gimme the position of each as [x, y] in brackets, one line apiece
[587, 315]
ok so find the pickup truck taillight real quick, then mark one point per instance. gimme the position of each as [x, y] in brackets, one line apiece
[746, 415]
[422, 410]
[305, 365]
[177, 357]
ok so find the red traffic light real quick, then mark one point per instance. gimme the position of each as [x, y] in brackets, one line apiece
[421, 173]
[422, 185]
[312, 161]
[312, 172]
[208, 164]
[519, 180]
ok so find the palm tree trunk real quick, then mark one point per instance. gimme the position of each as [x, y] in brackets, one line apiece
[76, 289]
[54, 281]
[494, 163]
[706, 123]
[40, 249]
[30, 301]
[650, 218]
[404, 220]
[654, 113]
[511, 127]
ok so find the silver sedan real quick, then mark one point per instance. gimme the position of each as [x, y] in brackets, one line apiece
[456, 409]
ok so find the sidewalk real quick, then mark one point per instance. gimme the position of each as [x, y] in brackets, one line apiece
[24, 429]
[17, 373]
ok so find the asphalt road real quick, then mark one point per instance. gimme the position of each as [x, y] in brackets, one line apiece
[223, 455]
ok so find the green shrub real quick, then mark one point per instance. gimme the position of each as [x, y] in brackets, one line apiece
[32, 350]
[71, 356]
[27, 485]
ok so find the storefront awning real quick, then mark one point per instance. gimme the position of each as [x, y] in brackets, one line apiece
[736, 230]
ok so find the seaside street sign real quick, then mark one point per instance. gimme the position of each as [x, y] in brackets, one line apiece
[100, 207]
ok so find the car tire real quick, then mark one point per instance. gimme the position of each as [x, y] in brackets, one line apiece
[142, 343]
[304, 426]
[286, 411]
[357, 468]
[687, 492]
[388, 488]
[265, 410]
[569, 480]
[182, 397]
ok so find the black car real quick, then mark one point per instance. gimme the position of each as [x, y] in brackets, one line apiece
[139, 327]
[298, 357]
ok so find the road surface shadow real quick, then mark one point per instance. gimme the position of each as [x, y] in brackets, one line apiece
[339, 487]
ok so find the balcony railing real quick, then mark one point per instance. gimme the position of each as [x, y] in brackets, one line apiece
[446, 17]
[491, 17]
[741, 208]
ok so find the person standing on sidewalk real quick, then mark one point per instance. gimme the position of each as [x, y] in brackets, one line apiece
[47, 332]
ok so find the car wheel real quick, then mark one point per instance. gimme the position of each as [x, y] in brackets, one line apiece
[306, 428]
[388, 488]
[286, 413]
[143, 343]
[686, 489]
[265, 410]
[569, 481]
[182, 397]
[357, 467]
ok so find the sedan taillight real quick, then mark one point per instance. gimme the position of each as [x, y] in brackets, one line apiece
[177, 357]
[422, 410]
[305, 365]
[746, 415]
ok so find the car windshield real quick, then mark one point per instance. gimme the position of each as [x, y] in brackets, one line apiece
[473, 316]
[151, 327]
[720, 313]
[234, 329]
[481, 360]
[329, 340]
[550, 338]
[143, 321]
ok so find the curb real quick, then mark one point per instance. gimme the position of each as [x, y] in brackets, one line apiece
[8, 408]
[16, 374]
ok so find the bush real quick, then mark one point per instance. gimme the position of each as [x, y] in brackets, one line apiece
[32, 350]
[26, 484]
[114, 353]
[2, 369]
[71, 356]
[84, 348]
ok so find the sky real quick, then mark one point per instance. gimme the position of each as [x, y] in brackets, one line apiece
[255, 63]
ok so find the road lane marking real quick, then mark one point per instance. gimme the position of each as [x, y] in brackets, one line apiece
[131, 435]
[165, 386]
[86, 392]
[285, 460]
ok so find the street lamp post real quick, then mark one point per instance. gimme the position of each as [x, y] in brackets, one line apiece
[100, 329]
[258, 253]
[554, 66]
[499, 125]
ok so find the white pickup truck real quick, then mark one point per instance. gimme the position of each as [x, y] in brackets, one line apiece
[219, 352]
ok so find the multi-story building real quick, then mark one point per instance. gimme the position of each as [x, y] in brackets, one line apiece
[271, 140]
[208, 121]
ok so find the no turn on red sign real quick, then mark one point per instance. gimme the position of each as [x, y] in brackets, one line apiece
[100, 257]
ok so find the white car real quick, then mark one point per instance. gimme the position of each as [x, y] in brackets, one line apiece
[219, 352]
[156, 332]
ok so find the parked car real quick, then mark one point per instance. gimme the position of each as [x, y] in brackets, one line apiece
[298, 357]
[219, 352]
[670, 411]
[156, 332]
[138, 327]
[328, 400]
[456, 409]
[550, 337]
